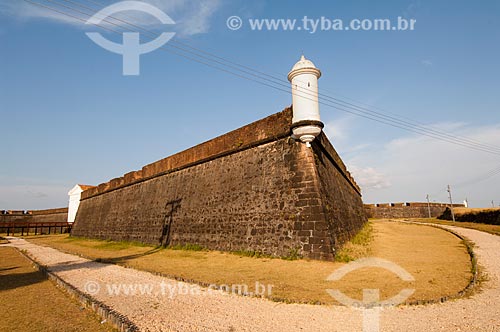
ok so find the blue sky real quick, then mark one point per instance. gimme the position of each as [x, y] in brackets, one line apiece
[70, 116]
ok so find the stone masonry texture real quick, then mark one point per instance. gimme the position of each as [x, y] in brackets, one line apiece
[35, 216]
[253, 189]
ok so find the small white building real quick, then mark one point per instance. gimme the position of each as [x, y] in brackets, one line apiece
[74, 200]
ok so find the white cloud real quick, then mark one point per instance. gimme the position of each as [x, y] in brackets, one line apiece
[417, 165]
[198, 20]
[409, 167]
[338, 128]
[369, 178]
[426, 62]
[25, 11]
[192, 17]
[412, 9]
[33, 196]
[339, 132]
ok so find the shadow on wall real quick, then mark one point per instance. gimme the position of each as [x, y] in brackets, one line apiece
[170, 209]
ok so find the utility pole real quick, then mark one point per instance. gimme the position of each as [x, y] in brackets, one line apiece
[429, 206]
[492, 204]
[451, 202]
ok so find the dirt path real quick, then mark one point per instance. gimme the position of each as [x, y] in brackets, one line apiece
[176, 306]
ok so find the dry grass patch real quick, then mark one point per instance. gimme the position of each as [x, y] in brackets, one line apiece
[31, 303]
[463, 210]
[358, 247]
[437, 259]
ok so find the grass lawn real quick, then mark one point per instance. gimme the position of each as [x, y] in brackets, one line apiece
[30, 302]
[437, 259]
[492, 229]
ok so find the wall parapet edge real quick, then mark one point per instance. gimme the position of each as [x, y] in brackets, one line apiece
[406, 210]
[34, 212]
[411, 204]
[259, 132]
[334, 157]
[263, 131]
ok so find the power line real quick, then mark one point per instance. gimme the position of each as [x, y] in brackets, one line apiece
[161, 48]
[280, 80]
[330, 101]
[479, 179]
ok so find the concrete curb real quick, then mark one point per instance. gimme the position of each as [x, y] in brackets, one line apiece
[470, 250]
[121, 322]
[89, 301]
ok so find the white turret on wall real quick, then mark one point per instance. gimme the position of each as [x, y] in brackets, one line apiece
[306, 123]
[74, 200]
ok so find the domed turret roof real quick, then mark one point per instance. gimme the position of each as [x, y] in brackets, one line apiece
[303, 65]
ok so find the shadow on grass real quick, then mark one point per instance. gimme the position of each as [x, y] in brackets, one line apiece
[98, 262]
[16, 280]
[118, 260]
[40, 236]
[11, 280]
[9, 268]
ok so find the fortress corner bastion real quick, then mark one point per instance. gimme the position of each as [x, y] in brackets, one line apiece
[253, 189]
[276, 186]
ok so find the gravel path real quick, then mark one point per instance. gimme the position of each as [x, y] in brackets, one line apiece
[192, 308]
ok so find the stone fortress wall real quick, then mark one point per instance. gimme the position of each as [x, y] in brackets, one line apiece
[406, 210]
[59, 215]
[252, 189]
